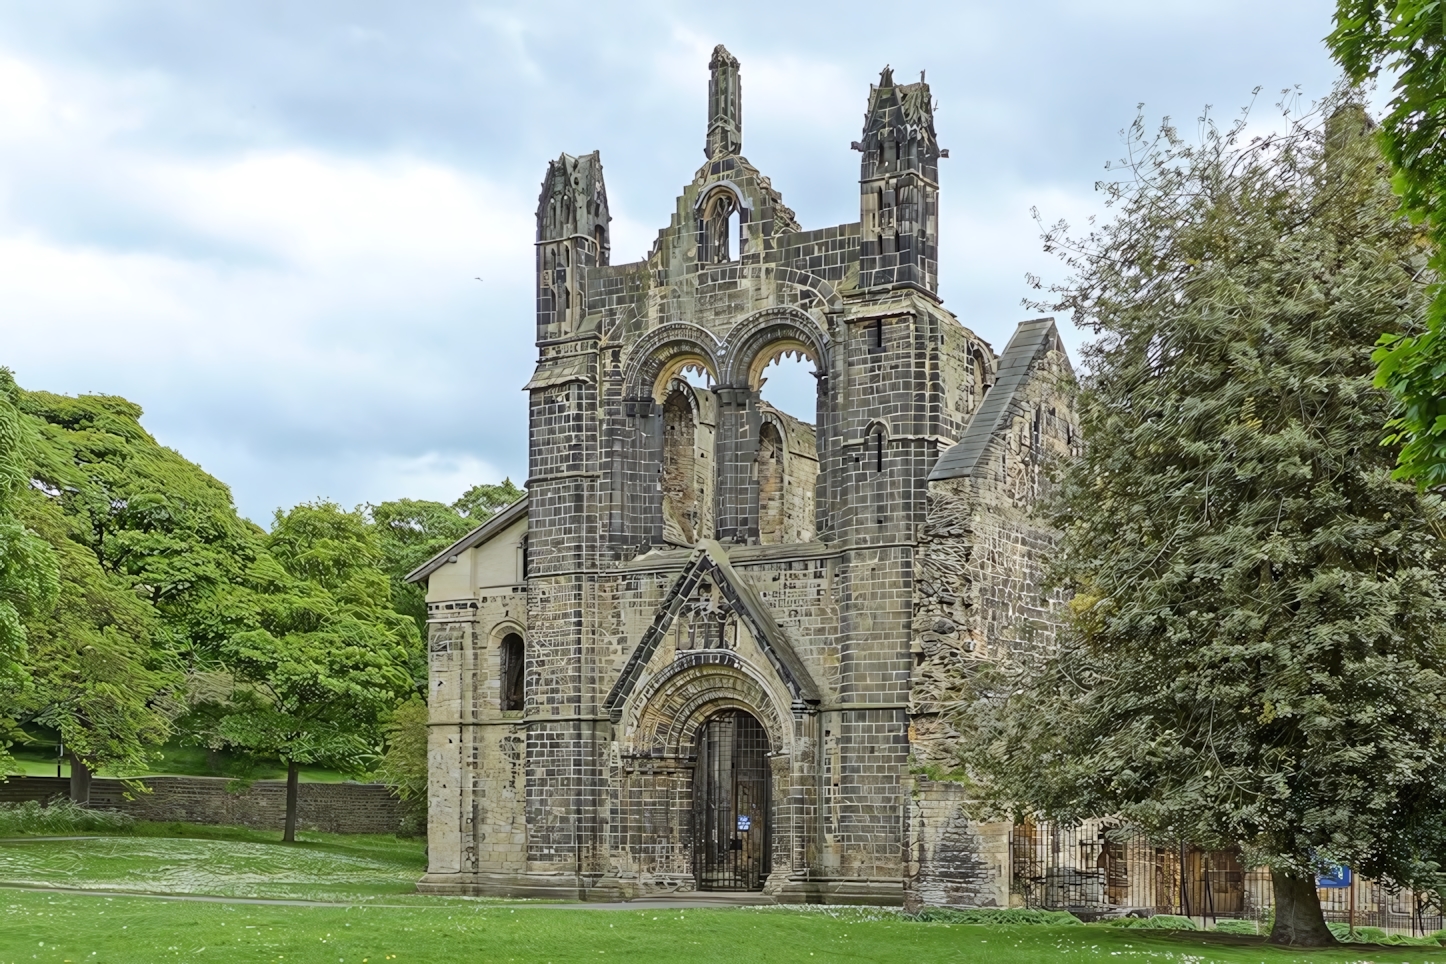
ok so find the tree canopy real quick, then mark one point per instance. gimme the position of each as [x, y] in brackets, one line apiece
[28, 569]
[1257, 654]
[137, 606]
[411, 531]
[327, 658]
[1407, 38]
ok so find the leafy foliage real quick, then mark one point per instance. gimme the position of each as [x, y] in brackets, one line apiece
[59, 817]
[1259, 623]
[326, 657]
[169, 611]
[1156, 922]
[1408, 39]
[996, 916]
[411, 531]
[28, 571]
[404, 765]
[150, 546]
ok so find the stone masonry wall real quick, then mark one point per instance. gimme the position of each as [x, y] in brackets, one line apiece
[981, 589]
[952, 861]
[328, 807]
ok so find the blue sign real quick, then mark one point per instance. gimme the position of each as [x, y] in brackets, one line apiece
[1339, 875]
[744, 822]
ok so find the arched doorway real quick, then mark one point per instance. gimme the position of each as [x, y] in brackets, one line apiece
[731, 794]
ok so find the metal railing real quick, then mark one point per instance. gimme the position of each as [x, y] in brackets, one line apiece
[1095, 870]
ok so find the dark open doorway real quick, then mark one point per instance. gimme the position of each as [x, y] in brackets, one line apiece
[731, 794]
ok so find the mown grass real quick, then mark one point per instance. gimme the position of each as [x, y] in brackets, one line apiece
[70, 928]
[381, 920]
[220, 861]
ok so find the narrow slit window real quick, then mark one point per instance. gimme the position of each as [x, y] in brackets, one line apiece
[878, 451]
[514, 658]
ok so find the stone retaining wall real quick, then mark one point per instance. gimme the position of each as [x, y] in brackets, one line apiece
[330, 807]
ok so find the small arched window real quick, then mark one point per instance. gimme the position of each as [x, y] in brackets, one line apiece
[720, 228]
[514, 665]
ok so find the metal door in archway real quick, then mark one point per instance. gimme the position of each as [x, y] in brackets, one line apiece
[731, 795]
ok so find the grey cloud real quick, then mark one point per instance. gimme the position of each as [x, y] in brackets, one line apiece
[1031, 99]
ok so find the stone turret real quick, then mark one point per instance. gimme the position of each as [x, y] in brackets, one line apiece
[572, 234]
[899, 188]
[725, 106]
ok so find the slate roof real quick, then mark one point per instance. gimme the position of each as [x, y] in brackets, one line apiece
[499, 521]
[960, 459]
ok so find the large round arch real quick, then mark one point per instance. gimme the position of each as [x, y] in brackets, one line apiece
[764, 334]
[665, 714]
[666, 352]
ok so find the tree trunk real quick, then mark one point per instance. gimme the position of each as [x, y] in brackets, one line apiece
[79, 781]
[291, 779]
[1298, 918]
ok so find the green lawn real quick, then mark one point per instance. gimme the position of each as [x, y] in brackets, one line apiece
[76, 928]
[234, 863]
[38, 760]
[382, 921]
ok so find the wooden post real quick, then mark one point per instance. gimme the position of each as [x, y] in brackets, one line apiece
[1351, 916]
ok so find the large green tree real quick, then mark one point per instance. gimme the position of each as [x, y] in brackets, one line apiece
[1407, 38]
[326, 658]
[411, 531]
[147, 543]
[1258, 641]
[28, 570]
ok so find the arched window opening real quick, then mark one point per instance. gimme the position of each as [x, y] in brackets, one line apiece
[768, 466]
[789, 383]
[514, 665]
[879, 450]
[787, 461]
[680, 471]
[720, 228]
[697, 376]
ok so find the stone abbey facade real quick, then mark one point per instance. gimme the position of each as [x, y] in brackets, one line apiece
[708, 650]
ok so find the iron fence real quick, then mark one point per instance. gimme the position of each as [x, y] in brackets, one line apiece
[1095, 870]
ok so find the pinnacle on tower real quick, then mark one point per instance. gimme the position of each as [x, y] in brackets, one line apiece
[725, 105]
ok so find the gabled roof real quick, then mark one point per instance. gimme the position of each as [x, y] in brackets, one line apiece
[711, 560]
[476, 537]
[1031, 340]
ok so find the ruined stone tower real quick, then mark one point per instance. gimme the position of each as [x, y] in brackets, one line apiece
[707, 650]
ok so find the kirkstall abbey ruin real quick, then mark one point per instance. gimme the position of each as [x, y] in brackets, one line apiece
[708, 650]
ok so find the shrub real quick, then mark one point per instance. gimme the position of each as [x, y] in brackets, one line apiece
[1375, 935]
[1237, 927]
[60, 817]
[1160, 922]
[995, 915]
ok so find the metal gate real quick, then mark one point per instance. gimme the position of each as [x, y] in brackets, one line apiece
[730, 804]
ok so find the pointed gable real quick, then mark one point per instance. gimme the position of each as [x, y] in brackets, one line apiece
[1032, 340]
[710, 561]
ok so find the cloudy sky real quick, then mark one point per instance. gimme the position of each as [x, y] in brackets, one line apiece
[265, 221]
